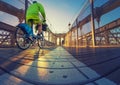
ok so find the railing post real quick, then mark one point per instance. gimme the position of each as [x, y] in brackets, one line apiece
[92, 23]
[12, 39]
[77, 32]
[26, 6]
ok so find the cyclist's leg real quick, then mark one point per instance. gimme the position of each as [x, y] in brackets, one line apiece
[30, 23]
[39, 25]
[39, 28]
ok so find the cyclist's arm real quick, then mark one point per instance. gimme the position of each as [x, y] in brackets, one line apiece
[42, 11]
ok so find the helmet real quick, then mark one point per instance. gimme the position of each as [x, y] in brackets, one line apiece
[34, 2]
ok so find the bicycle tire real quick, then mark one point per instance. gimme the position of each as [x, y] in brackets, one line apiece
[21, 40]
[41, 42]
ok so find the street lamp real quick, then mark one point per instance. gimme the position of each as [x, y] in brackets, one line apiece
[69, 25]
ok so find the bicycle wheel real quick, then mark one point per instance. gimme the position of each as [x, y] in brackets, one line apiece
[41, 41]
[21, 39]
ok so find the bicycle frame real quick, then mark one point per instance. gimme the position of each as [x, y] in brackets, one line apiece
[23, 41]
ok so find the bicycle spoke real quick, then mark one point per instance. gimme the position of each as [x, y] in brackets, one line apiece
[21, 39]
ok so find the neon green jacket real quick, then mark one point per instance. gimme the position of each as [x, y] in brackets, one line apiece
[33, 13]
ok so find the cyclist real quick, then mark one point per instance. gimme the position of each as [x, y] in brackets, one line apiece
[36, 15]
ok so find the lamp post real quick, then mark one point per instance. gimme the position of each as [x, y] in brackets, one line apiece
[70, 34]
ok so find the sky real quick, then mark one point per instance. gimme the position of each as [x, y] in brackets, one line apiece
[61, 12]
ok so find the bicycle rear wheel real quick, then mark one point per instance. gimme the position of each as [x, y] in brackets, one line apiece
[22, 40]
[41, 41]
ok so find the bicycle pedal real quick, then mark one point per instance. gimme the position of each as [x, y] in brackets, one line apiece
[31, 39]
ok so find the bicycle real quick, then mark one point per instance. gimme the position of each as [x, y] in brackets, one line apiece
[24, 42]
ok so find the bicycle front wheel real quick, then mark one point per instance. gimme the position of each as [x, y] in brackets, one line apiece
[22, 40]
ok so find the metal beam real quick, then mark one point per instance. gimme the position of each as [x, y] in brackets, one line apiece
[105, 8]
[5, 7]
[6, 27]
[108, 26]
[100, 30]
[4, 39]
[26, 6]
[92, 23]
[110, 5]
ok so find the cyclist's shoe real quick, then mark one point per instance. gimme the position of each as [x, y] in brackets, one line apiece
[31, 38]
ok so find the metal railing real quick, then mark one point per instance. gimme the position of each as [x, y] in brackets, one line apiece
[12, 12]
[94, 25]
